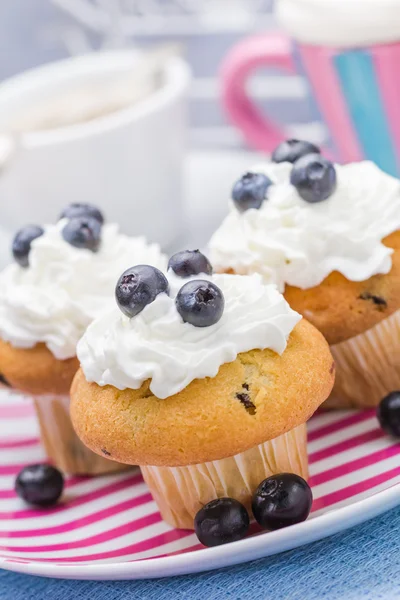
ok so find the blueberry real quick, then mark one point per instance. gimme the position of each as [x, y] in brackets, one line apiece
[388, 413]
[139, 286]
[78, 209]
[314, 177]
[189, 262]
[221, 521]
[250, 191]
[41, 485]
[282, 500]
[292, 150]
[83, 232]
[200, 303]
[21, 245]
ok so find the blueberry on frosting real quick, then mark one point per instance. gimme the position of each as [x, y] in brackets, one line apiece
[250, 191]
[79, 209]
[200, 303]
[314, 177]
[139, 286]
[189, 262]
[83, 232]
[21, 245]
[292, 150]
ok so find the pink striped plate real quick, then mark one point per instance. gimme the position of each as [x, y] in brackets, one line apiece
[109, 527]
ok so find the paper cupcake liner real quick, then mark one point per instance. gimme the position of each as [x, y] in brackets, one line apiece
[367, 366]
[181, 492]
[62, 445]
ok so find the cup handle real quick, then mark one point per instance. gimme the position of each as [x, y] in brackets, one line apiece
[252, 53]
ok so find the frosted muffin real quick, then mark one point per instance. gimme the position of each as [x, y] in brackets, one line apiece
[207, 385]
[328, 236]
[63, 276]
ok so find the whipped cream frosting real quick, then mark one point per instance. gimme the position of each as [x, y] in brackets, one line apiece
[158, 345]
[341, 23]
[65, 288]
[290, 241]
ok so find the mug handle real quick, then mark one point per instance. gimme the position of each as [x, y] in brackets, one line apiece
[252, 53]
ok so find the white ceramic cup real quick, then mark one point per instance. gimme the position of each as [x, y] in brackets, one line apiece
[128, 162]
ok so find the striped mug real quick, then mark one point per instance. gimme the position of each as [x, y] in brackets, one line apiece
[356, 93]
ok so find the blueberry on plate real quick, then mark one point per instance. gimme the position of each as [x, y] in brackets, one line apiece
[282, 500]
[250, 191]
[292, 150]
[314, 177]
[80, 209]
[40, 485]
[21, 245]
[189, 262]
[139, 286]
[221, 521]
[83, 232]
[388, 413]
[200, 303]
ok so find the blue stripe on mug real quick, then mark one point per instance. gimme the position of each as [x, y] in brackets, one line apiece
[315, 112]
[356, 73]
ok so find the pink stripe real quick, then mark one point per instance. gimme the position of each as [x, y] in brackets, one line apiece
[326, 87]
[12, 443]
[352, 490]
[88, 497]
[157, 541]
[13, 469]
[105, 536]
[16, 411]
[369, 436]
[387, 60]
[94, 517]
[352, 419]
[355, 465]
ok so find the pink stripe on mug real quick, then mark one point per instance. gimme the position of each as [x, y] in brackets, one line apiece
[322, 76]
[247, 56]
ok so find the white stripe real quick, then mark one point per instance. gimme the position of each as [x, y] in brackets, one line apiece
[20, 428]
[347, 456]
[73, 535]
[72, 513]
[132, 537]
[327, 418]
[355, 477]
[341, 435]
[17, 456]
[357, 497]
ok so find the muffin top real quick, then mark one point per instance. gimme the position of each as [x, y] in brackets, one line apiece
[197, 369]
[161, 345]
[298, 221]
[63, 277]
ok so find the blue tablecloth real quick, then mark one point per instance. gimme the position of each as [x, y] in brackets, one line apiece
[361, 563]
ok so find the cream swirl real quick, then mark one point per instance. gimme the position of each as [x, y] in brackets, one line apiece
[291, 241]
[343, 23]
[158, 345]
[65, 288]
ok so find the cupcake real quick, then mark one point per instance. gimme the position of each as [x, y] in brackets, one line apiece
[63, 276]
[329, 237]
[206, 381]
